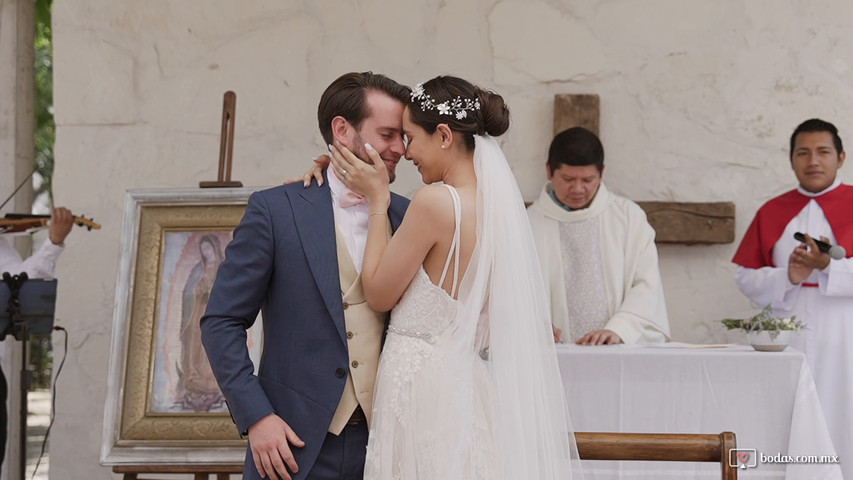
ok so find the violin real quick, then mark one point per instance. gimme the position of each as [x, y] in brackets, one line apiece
[22, 222]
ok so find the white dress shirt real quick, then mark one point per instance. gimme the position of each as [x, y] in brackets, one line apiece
[350, 221]
[40, 264]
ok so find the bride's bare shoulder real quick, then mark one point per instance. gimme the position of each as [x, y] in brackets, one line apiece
[433, 202]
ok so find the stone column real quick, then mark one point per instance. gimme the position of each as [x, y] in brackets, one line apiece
[17, 29]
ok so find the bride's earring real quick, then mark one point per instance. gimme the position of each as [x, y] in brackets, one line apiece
[446, 135]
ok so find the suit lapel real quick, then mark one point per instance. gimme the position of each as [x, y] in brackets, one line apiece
[315, 225]
[397, 210]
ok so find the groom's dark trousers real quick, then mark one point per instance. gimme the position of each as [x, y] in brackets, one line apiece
[342, 456]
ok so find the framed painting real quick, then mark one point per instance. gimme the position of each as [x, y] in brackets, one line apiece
[163, 404]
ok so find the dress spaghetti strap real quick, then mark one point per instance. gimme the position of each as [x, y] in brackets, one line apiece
[454, 245]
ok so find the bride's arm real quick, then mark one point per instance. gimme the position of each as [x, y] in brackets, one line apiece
[389, 266]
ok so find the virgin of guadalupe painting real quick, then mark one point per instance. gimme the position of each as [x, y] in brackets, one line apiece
[163, 404]
[198, 390]
[183, 380]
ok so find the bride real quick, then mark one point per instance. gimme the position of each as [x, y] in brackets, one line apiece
[468, 385]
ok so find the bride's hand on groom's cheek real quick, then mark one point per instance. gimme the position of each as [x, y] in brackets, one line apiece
[370, 180]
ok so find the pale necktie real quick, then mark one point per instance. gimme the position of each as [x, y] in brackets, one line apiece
[346, 197]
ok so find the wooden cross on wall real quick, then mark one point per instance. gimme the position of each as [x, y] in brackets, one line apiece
[674, 222]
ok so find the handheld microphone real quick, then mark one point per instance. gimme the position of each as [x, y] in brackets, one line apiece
[837, 252]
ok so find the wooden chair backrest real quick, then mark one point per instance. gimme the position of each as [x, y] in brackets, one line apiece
[662, 447]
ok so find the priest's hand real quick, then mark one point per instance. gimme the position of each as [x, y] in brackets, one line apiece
[797, 271]
[558, 334]
[804, 259]
[270, 439]
[600, 337]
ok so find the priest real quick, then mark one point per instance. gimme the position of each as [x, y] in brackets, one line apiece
[597, 251]
[797, 278]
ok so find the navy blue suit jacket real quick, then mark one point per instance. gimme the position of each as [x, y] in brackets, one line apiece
[283, 260]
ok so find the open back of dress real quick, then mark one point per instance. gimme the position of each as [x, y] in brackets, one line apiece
[424, 426]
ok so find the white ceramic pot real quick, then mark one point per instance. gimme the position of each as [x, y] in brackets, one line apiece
[762, 341]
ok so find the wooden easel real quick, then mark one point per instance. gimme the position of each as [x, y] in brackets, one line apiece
[226, 146]
[205, 471]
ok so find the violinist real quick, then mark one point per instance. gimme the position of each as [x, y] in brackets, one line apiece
[42, 263]
[39, 265]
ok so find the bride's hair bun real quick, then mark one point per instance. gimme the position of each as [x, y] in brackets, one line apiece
[460, 105]
[494, 112]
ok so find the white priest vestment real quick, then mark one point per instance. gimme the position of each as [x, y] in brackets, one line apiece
[615, 232]
[824, 302]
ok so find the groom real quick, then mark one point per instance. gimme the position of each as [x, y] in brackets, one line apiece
[297, 256]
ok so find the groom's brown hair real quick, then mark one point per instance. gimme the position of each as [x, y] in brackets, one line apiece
[346, 96]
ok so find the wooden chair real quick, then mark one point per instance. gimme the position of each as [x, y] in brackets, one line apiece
[199, 472]
[666, 447]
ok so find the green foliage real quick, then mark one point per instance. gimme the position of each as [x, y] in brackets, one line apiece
[763, 321]
[45, 129]
[41, 356]
[41, 360]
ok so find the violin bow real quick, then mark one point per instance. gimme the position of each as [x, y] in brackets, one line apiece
[21, 185]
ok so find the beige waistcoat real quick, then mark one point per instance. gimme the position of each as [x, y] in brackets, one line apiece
[364, 341]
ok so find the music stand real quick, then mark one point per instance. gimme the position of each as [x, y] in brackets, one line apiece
[26, 305]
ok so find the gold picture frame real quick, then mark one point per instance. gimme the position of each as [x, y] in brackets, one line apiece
[163, 404]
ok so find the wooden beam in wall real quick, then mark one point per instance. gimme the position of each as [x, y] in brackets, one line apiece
[691, 222]
[572, 110]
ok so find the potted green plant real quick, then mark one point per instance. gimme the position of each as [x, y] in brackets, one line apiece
[765, 332]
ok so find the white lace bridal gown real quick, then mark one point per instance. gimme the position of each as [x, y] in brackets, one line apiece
[430, 413]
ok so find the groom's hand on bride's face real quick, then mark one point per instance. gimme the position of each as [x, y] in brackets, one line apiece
[270, 439]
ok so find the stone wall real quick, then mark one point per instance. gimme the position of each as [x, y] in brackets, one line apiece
[16, 164]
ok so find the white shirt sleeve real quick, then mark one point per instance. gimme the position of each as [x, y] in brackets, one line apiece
[767, 286]
[41, 264]
[836, 280]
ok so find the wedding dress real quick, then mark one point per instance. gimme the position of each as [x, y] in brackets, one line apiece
[468, 386]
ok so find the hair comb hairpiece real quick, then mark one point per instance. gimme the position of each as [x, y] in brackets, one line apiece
[457, 107]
